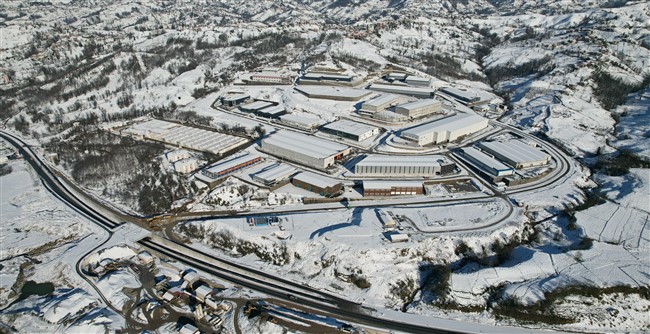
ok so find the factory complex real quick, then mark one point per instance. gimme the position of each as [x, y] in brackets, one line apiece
[516, 153]
[351, 130]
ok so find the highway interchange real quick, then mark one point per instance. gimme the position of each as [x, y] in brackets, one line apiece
[269, 284]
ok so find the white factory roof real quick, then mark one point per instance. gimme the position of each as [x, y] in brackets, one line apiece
[350, 127]
[257, 105]
[317, 75]
[396, 75]
[333, 91]
[270, 74]
[233, 97]
[484, 159]
[460, 92]
[452, 123]
[419, 104]
[306, 145]
[381, 99]
[275, 172]
[316, 179]
[418, 79]
[222, 165]
[273, 110]
[515, 150]
[401, 89]
[402, 160]
[389, 184]
[306, 120]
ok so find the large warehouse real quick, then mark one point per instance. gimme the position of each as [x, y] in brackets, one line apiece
[227, 167]
[516, 153]
[325, 77]
[485, 162]
[461, 95]
[274, 174]
[306, 150]
[255, 106]
[392, 188]
[300, 121]
[419, 108]
[332, 93]
[379, 103]
[446, 130]
[408, 165]
[351, 130]
[316, 183]
[404, 90]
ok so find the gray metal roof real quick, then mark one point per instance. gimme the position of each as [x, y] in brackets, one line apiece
[307, 145]
[387, 184]
[402, 160]
[316, 179]
[452, 123]
[350, 127]
[275, 172]
[485, 159]
[381, 99]
[419, 104]
[515, 150]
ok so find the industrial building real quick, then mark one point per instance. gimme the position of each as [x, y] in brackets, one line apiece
[270, 77]
[413, 80]
[306, 150]
[271, 112]
[516, 153]
[420, 92]
[255, 106]
[419, 108]
[274, 174]
[407, 165]
[351, 130]
[392, 188]
[485, 162]
[332, 93]
[186, 165]
[446, 130]
[300, 121]
[185, 136]
[233, 100]
[319, 184]
[395, 76]
[325, 77]
[461, 95]
[379, 103]
[224, 168]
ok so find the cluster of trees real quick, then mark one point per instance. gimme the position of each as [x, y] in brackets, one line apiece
[612, 91]
[540, 67]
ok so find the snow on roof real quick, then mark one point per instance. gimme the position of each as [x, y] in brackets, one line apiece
[402, 160]
[484, 159]
[381, 100]
[257, 105]
[318, 75]
[203, 290]
[222, 165]
[269, 74]
[273, 110]
[515, 150]
[350, 127]
[316, 180]
[233, 97]
[306, 145]
[387, 184]
[275, 172]
[333, 91]
[188, 329]
[190, 275]
[419, 104]
[452, 123]
[294, 118]
[401, 89]
[397, 75]
[459, 92]
[418, 79]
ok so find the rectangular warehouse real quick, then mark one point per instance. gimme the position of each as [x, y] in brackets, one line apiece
[299, 121]
[351, 130]
[418, 81]
[306, 150]
[419, 108]
[461, 95]
[404, 165]
[270, 77]
[446, 130]
[223, 168]
[379, 103]
[392, 188]
[231, 100]
[404, 90]
[516, 153]
[332, 93]
[332, 77]
[485, 162]
[255, 106]
[316, 183]
[271, 112]
[274, 174]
